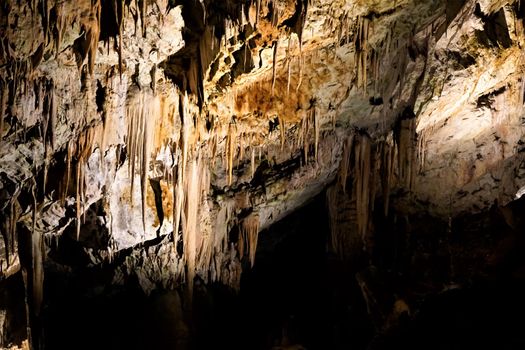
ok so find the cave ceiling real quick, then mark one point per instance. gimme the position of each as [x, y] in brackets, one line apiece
[176, 122]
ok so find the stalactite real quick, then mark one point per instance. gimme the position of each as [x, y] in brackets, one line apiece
[303, 136]
[37, 262]
[406, 141]
[178, 199]
[361, 52]
[253, 162]
[288, 61]
[3, 104]
[421, 150]
[289, 77]
[196, 185]
[331, 202]
[362, 183]
[143, 4]
[190, 227]
[119, 13]
[387, 171]
[317, 127]
[59, 26]
[206, 235]
[300, 80]
[257, 11]
[141, 115]
[46, 9]
[146, 147]
[230, 150]
[375, 168]
[52, 113]
[48, 127]
[93, 33]
[10, 228]
[186, 130]
[241, 148]
[83, 149]
[79, 194]
[347, 22]
[214, 145]
[274, 64]
[180, 170]
[282, 131]
[249, 233]
[45, 168]
[345, 169]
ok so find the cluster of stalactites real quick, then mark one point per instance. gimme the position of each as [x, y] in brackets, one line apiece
[248, 236]
[407, 152]
[362, 51]
[310, 124]
[142, 111]
[365, 166]
[79, 150]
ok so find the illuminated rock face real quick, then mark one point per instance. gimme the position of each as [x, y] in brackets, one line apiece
[178, 122]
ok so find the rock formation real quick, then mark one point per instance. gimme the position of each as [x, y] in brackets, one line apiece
[160, 137]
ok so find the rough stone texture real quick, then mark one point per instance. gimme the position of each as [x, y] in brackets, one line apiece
[124, 121]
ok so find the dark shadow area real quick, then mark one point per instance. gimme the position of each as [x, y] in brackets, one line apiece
[296, 294]
[13, 314]
[427, 284]
[484, 316]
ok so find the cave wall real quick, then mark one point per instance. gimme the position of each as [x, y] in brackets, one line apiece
[146, 134]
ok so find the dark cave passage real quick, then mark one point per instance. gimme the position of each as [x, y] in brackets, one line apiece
[296, 294]
[299, 295]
